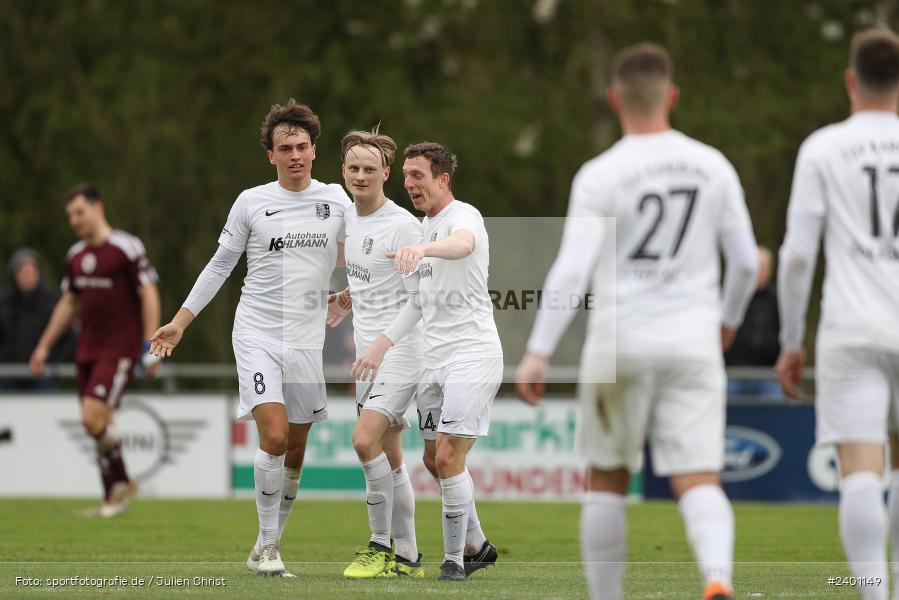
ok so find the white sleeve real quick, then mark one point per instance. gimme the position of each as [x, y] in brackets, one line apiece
[409, 315]
[796, 270]
[572, 270]
[236, 232]
[742, 262]
[211, 279]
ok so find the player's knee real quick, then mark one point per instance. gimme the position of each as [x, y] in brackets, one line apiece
[367, 447]
[275, 443]
[446, 463]
[430, 464]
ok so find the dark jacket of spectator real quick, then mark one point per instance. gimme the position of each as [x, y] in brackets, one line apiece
[25, 310]
[756, 342]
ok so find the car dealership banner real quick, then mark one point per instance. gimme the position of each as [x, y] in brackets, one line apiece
[174, 446]
[529, 453]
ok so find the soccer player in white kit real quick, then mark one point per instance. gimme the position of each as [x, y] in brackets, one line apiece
[675, 202]
[292, 232]
[463, 358]
[389, 372]
[846, 186]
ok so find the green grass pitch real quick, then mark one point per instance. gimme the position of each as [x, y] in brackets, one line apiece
[782, 551]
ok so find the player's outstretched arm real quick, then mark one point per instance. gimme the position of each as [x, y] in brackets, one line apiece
[62, 316]
[164, 340]
[458, 244]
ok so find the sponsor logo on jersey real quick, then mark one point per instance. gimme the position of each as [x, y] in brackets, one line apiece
[94, 283]
[748, 454]
[367, 244]
[88, 263]
[322, 210]
[357, 271]
[299, 240]
[425, 269]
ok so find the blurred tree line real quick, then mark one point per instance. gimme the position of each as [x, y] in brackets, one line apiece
[160, 103]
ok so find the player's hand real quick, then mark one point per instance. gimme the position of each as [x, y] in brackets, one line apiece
[530, 378]
[38, 360]
[163, 342]
[368, 363]
[789, 369]
[406, 259]
[339, 306]
[727, 337]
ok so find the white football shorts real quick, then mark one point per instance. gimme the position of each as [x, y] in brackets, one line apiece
[269, 372]
[857, 392]
[678, 405]
[393, 389]
[456, 398]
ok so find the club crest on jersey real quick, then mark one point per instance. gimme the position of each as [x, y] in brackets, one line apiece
[434, 237]
[88, 263]
[322, 210]
[367, 244]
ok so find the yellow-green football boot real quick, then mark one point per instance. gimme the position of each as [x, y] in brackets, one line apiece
[400, 567]
[370, 561]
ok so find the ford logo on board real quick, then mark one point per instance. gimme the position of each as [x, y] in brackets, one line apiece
[748, 453]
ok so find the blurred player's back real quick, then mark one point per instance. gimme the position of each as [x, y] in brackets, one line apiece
[849, 171]
[671, 197]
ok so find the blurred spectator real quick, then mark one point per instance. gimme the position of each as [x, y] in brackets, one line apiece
[756, 343]
[25, 309]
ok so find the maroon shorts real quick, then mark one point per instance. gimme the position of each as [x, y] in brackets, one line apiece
[105, 379]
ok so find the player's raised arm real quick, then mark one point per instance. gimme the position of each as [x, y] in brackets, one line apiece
[62, 316]
[455, 246]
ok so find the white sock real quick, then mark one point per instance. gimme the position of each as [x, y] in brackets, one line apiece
[474, 536]
[290, 485]
[379, 497]
[402, 525]
[709, 521]
[456, 493]
[604, 543]
[863, 529]
[893, 514]
[267, 474]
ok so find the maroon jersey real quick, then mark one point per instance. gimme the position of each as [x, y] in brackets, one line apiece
[106, 279]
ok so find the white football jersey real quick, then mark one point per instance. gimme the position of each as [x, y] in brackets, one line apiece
[291, 243]
[376, 286]
[671, 197]
[848, 173]
[456, 309]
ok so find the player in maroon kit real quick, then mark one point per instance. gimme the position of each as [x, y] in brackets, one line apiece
[109, 274]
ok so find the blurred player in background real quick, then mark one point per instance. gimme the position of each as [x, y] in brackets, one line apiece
[463, 358]
[109, 275]
[675, 202]
[292, 230]
[386, 383]
[846, 186]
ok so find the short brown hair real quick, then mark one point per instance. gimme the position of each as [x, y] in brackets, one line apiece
[442, 160]
[874, 56]
[90, 192]
[640, 73]
[295, 116]
[375, 139]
